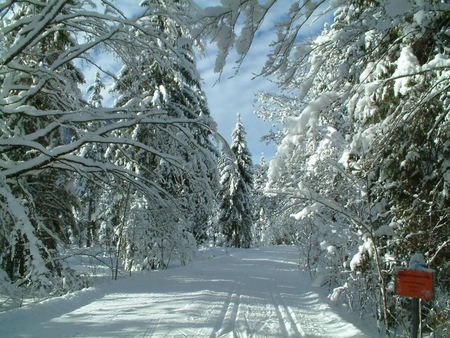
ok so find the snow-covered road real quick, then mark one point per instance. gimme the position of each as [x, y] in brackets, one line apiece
[242, 293]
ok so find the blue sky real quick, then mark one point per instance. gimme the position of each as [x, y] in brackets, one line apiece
[235, 93]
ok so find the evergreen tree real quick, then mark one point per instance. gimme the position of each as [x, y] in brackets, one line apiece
[228, 213]
[236, 208]
[363, 154]
[182, 166]
[94, 91]
[47, 198]
[260, 203]
[152, 149]
[89, 190]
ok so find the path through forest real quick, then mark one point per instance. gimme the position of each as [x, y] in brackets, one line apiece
[239, 293]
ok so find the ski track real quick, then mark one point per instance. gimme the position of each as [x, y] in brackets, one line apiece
[228, 316]
[287, 320]
[234, 293]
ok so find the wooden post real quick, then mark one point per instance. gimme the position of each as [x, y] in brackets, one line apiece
[415, 317]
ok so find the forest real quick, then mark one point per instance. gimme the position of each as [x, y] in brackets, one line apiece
[359, 183]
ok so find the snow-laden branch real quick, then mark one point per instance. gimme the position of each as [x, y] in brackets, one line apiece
[305, 194]
[33, 29]
[12, 169]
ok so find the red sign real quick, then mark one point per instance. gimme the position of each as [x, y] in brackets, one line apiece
[415, 283]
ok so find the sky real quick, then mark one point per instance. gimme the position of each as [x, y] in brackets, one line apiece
[235, 93]
[230, 292]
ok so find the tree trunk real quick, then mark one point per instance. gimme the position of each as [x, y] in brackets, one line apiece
[122, 226]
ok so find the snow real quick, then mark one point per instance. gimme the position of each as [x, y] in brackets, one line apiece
[397, 8]
[417, 262]
[407, 65]
[439, 61]
[234, 293]
[359, 257]
[307, 211]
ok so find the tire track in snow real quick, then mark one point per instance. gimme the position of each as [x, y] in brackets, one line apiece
[252, 321]
[292, 317]
[227, 318]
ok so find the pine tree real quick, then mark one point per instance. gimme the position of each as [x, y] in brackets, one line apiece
[182, 166]
[236, 208]
[89, 190]
[364, 156]
[46, 195]
[155, 142]
[261, 205]
[95, 96]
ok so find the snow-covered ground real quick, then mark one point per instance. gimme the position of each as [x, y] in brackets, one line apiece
[239, 293]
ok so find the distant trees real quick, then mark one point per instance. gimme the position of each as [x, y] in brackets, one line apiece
[236, 193]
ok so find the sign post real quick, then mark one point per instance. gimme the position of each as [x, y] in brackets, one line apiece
[415, 317]
[417, 282]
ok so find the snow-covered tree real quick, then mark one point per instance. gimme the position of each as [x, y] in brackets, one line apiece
[49, 131]
[186, 171]
[228, 213]
[38, 221]
[366, 151]
[89, 191]
[270, 227]
[95, 91]
[261, 210]
[236, 194]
